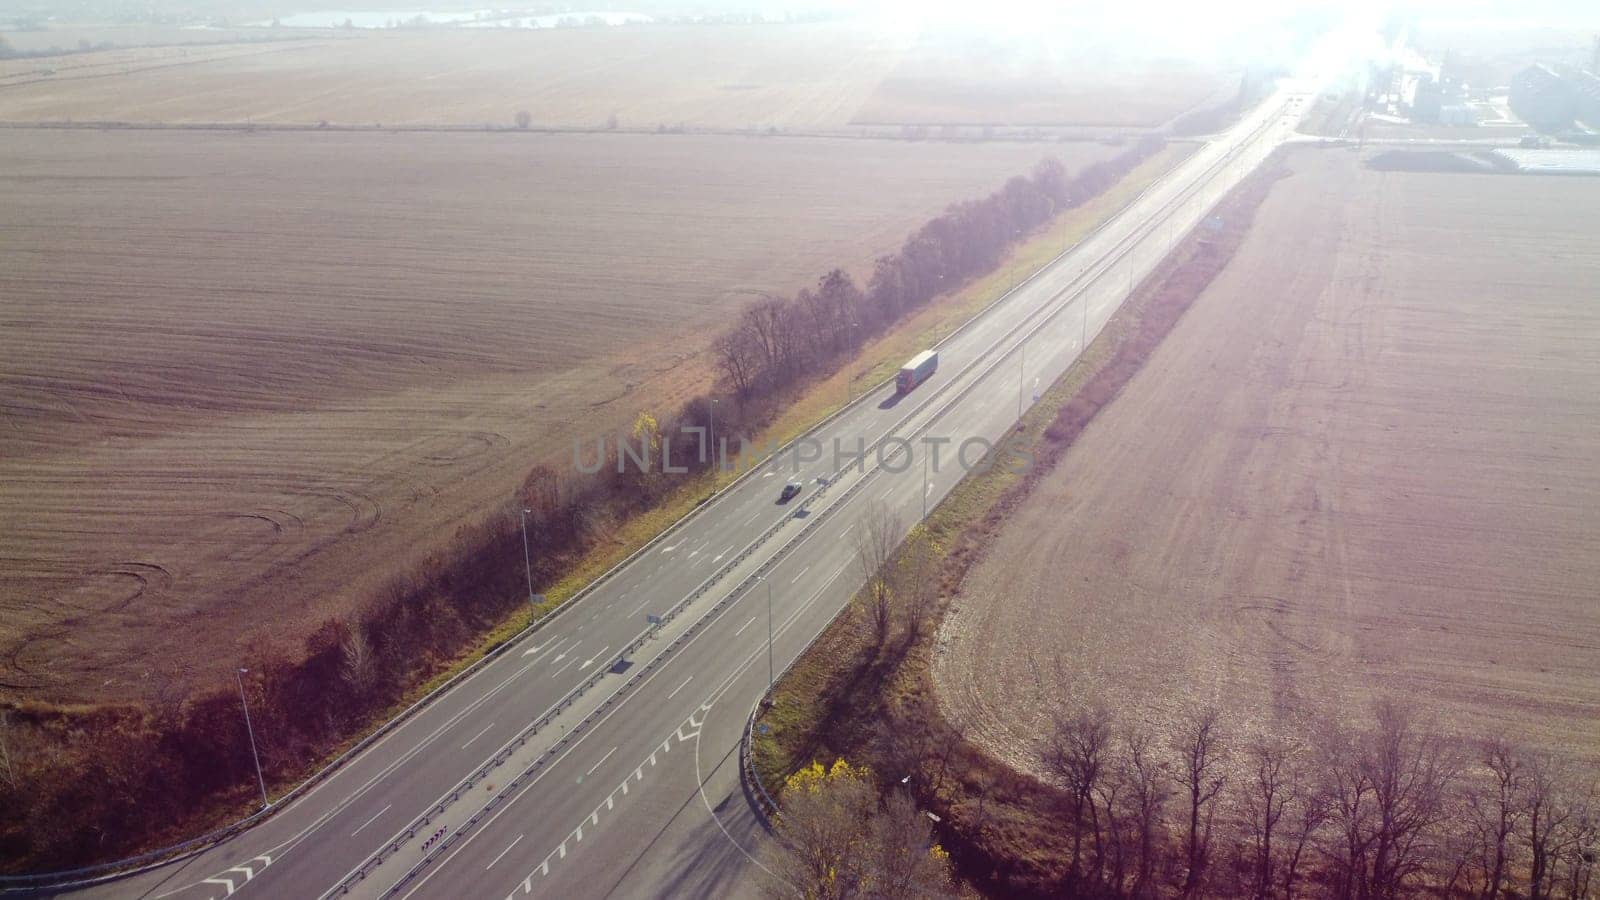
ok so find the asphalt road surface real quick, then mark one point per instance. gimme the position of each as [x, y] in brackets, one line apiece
[632, 788]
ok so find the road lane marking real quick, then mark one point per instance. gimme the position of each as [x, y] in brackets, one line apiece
[548, 645]
[801, 575]
[473, 738]
[558, 672]
[640, 608]
[563, 654]
[502, 853]
[601, 762]
[680, 687]
[590, 660]
[367, 822]
[744, 626]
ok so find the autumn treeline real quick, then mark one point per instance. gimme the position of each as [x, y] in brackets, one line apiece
[78, 787]
[1384, 809]
[777, 342]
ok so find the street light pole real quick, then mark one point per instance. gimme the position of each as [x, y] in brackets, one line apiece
[1022, 356]
[238, 676]
[527, 559]
[713, 433]
[924, 483]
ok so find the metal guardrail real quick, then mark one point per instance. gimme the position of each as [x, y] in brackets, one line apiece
[90, 875]
[747, 768]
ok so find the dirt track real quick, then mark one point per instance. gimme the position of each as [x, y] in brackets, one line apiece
[1363, 462]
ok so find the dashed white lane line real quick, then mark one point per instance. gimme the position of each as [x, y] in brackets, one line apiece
[597, 654]
[557, 673]
[565, 653]
[639, 609]
[478, 735]
[801, 575]
[744, 626]
[688, 731]
[503, 853]
[601, 762]
[368, 822]
[680, 687]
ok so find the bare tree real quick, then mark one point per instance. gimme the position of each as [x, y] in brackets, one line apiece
[1579, 855]
[1561, 827]
[1495, 814]
[904, 859]
[1266, 801]
[1309, 810]
[1349, 807]
[524, 118]
[877, 535]
[1200, 752]
[917, 584]
[8, 769]
[356, 664]
[1410, 769]
[1147, 789]
[737, 358]
[1078, 754]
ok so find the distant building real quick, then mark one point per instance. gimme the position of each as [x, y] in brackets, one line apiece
[1428, 101]
[1457, 114]
[1543, 99]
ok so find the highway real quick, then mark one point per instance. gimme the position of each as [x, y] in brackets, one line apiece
[631, 788]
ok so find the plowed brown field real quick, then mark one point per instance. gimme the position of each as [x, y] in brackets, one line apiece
[1364, 462]
[803, 77]
[245, 378]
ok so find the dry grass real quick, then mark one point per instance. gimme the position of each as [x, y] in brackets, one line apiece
[1361, 464]
[247, 377]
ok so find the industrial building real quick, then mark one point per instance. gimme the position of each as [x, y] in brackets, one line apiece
[1543, 98]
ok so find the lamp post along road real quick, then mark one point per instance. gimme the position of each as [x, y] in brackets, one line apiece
[924, 483]
[711, 433]
[238, 676]
[527, 560]
[1022, 356]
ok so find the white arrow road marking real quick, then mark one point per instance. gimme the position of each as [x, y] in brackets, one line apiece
[226, 879]
[590, 660]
